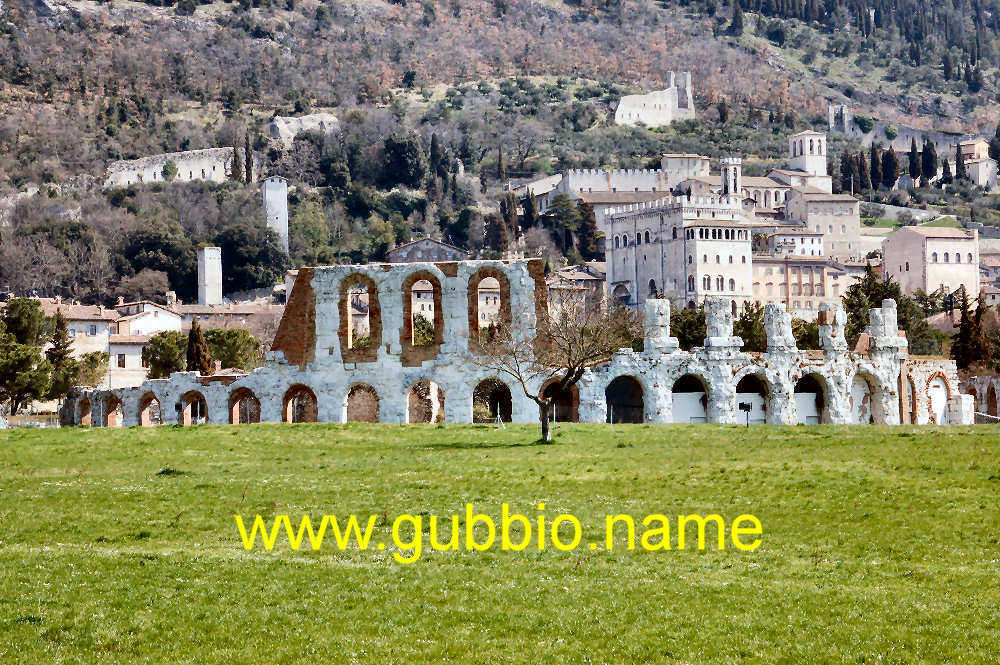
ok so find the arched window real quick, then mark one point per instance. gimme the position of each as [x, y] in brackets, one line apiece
[970, 258]
[704, 258]
[934, 257]
[690, 259]
[744, 258]
[947, 257]
[958, 258]
[691, 283]
[907, 266]
[706, 282]
[652, 288]
[674, 234]
[617, 242]
[720, 283]
[646, 237]
[638, 238]
[717, 259]
[811, 146]
[732, 284]
[730, 258]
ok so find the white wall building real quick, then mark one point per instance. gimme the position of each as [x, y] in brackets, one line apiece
[661, 107]
[931, 258]
[836, 216]
[275, 193]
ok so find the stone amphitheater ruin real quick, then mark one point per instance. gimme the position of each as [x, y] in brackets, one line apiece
[327, 367]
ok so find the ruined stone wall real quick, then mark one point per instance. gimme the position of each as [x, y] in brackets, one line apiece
[312, 374]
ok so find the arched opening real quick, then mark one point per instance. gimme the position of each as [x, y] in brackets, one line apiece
[362, 404]
[490, 398]
[620, 295]
[425, 403]
[194, 408]
[810, 399]
[991, 401]
[938, 394]
[625, 400]
[85, 412]
[150, 412]
[299, 405]
[489, 303]
[114, 415]
[753, 391]
[971, 390]
[565, 403]
[690, 400]
[862, 411]
[244, 407]
[360, 319]
[423, 321]
[652, 288]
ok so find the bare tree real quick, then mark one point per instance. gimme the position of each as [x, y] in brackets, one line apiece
[550, 360]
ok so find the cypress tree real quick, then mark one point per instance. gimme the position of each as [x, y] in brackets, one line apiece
[497, 233]
[960, 173]
[961, 341]
[980, 349]
[928, 161]
[848, 172]
[435, 153]
[864, 177]
[484, 180]
[249, 158]
[946, 178]
[890, 168]
[948, 66]
[875, 157]
[995, 149]
[588, 242]
[914, 160]
[454, 189]
[501, 169]
[198, 357]
[236, 167]
[736, 27]
[529, 212]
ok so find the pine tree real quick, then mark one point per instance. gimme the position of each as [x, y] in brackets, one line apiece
[890, 168]
[960, 173]
[875, 167]
[454, 189]
[723, 111]
[529, 212]
[980, 349]
[914, 160]
[736, 27]
[435, 153]
[198, 357]
[588, 243]
[236, 167]
[60, 355]
[249, 160]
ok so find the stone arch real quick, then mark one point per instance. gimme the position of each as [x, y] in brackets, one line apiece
[864, 397]
[113, 413]
[425, 402]
[621, 295]
[150, 410]
[689, 399]
[299, 405]
[491, 397]
[811, 395]
[625, 400]
[359, 339]
[413, 354]
[991, 401]
[194, 408]
[244, 407]
[482, 319]
[754, 389]
[938, 397]
[86, 412]
[361, 404]
[565, 403]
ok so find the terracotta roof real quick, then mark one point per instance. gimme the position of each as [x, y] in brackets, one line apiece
[74, 312]
[129, 339]
[748, 181]
[938, 232]
[230, 309]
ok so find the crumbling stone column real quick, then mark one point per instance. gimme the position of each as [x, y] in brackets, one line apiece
[721, 352]
[832, 320]
[782, 354]
[888, 351]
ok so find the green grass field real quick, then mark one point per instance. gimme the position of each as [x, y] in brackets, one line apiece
[879, 546]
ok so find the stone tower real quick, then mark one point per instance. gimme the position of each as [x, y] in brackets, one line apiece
[209, 276]
[275, 191]
[732, 176]
[807, 153]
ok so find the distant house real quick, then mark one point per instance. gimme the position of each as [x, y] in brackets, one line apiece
[425, 249]
[933, 258]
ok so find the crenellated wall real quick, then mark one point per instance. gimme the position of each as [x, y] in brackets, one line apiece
[312, 376]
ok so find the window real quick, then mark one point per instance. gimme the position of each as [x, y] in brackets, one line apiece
[969, 260]
[92, 331]
[704, 258]
[690, 283]
[646, 237]
[934, 257]
[121, 361]
[946, 255]
[638, 238]
[717, 259]
[674, 234]
[958, 258]
[732, 284]
[907, 266]
[690, 259]
[843, 228]
[720, 283]
[617, 242]
[72, 332]
[706, 282]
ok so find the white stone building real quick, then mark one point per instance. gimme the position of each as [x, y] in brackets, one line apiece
[933, 258]
[836, 216]
[659, 108]
[210, 164]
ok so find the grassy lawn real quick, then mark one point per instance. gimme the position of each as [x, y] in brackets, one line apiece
[945, 221]
[879, 546]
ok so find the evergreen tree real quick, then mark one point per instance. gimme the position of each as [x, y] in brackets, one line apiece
[864, 176]
[484, 180]
[960, 173]
[980, 348]
[946, 178]
[750, 327]
[588, 241]
[565, 219]
[198, 357]
[508, 209]
[947, 66]
[995, 149]
[435, 153]
[736, 26]
[890, 168]
[249, 159]
[961, 341]
[236, 167]
[497, 233]
[529, 212]
[454, 189]
[65, 368]
[848, 172]
[914, 160]
[723, 111]
[928, 161]
[501, 168]
[875, 159]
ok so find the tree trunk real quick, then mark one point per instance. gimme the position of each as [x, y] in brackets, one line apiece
[543, 416]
